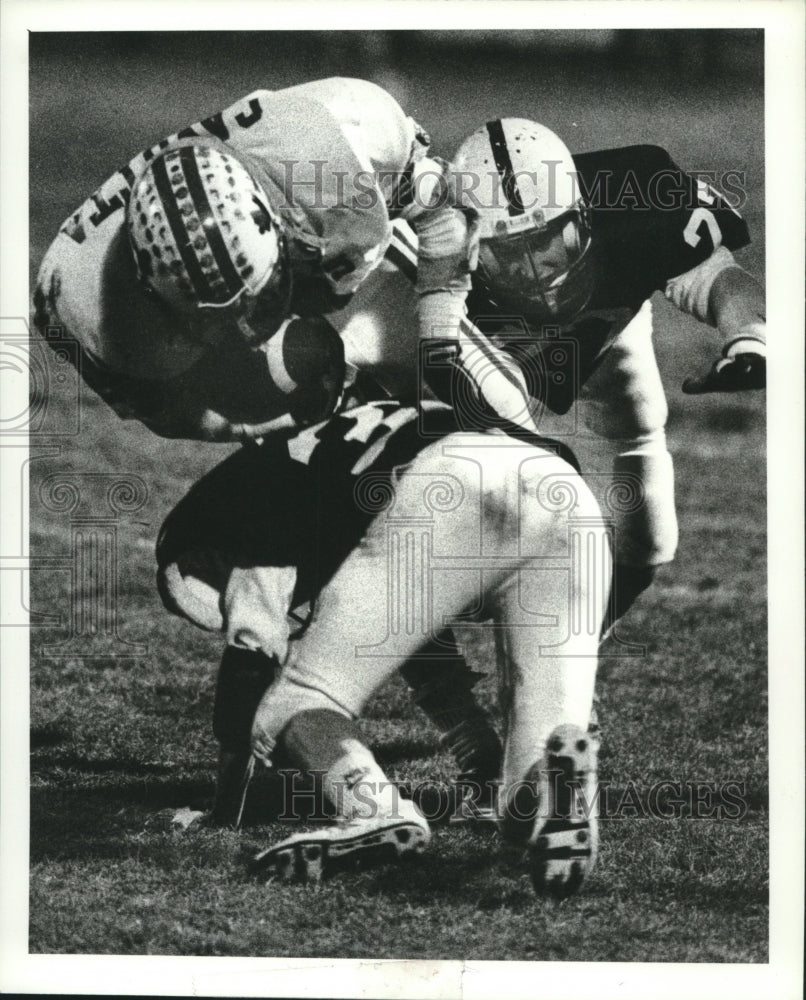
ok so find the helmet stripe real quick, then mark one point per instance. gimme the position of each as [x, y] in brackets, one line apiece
[180, 233]
[399, 232]
[503, 163]
[213, 234]
[403, 263]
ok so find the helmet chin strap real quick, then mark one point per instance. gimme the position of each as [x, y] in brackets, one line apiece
[224, 305]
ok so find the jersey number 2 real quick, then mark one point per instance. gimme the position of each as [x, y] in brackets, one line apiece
[691, 233]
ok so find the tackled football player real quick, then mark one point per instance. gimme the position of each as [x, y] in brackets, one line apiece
[401, 523]
[195, 278]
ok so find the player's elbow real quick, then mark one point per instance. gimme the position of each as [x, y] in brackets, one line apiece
[736, 298]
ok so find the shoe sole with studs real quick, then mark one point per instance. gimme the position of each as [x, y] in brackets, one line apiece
[319, 855]
[563, 845]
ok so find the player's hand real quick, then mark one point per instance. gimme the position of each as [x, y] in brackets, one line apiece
[744, 370]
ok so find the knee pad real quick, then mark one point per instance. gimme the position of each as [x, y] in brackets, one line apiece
[641, 500]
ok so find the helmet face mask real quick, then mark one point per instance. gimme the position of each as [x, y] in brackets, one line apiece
[258, 317]
[207, 243]
[542, 273]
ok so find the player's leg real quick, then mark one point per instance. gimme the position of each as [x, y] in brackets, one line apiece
[242, 505]
[547, 692]
[473, 545]
[626, 408]
[441, 684]
[547, 672]
[243, 678]
[375, 823]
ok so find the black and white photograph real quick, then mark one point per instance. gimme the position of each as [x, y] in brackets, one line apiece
[402, 540]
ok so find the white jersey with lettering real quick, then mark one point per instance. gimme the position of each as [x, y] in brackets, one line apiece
[337, 154]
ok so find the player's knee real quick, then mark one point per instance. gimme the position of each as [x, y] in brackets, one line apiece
[640, 414]
[552, 496]
[629, 376]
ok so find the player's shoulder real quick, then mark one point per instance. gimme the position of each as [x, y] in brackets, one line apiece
[641, 189]
[371, 118]
[641, 158]
[630, 174]
[349, 98]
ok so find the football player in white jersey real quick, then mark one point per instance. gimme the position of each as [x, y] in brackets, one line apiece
[194, 279]
[175, 274]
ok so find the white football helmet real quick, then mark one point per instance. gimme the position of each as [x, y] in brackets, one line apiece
[534, 258]
[205, 237]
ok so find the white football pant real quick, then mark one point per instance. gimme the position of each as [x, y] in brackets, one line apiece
[481, 526]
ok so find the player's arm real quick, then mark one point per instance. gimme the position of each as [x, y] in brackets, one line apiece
[735, 304]
[418, 190]
[461, 365]
[295, 379]
[447, 245]
[188, 405]
[716, 289]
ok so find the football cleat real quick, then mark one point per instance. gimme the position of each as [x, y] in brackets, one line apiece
[345, 846]
[562, 847]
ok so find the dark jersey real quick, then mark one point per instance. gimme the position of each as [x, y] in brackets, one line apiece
[305, 497]
[650, 222]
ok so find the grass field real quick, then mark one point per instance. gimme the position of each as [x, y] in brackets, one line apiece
[114, 741]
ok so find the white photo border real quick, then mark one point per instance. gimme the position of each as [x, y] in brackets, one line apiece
[783, 23]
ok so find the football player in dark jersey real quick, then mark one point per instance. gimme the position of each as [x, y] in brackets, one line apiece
[571, 250]
[399, 522]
